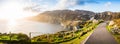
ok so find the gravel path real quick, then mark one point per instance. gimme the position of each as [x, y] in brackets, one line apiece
[101, 36]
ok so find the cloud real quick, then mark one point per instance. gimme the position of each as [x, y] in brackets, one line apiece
[37, 5]
[40, 5]
[107, 4]
[64, 4]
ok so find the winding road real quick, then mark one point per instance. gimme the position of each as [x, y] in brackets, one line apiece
[101, 36]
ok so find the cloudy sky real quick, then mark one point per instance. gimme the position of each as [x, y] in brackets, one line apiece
[48, 5]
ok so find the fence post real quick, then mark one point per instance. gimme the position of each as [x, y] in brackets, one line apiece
[10, 37]
[30, 36]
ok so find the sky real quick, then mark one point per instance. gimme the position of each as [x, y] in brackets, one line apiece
[91, 5]
[49, 5]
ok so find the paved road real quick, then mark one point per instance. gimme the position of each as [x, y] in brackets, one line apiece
[101, 36]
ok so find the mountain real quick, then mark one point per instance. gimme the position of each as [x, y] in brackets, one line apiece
[107, 15]
[58, 16]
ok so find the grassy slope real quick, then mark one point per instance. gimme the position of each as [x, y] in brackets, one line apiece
[77, 40]
[82, 38]
[86, 31]
[116, 36]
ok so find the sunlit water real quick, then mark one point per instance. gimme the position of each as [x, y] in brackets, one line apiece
[29, 26]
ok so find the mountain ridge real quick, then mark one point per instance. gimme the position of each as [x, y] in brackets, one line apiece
[58, 16]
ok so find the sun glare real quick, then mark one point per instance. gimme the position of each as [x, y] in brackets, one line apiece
[11, 25]
[13, 10]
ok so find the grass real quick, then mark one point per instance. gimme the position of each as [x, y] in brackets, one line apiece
[78, 40]
[108, 28]
[82, 38]
[116, 36]
[1, 43]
